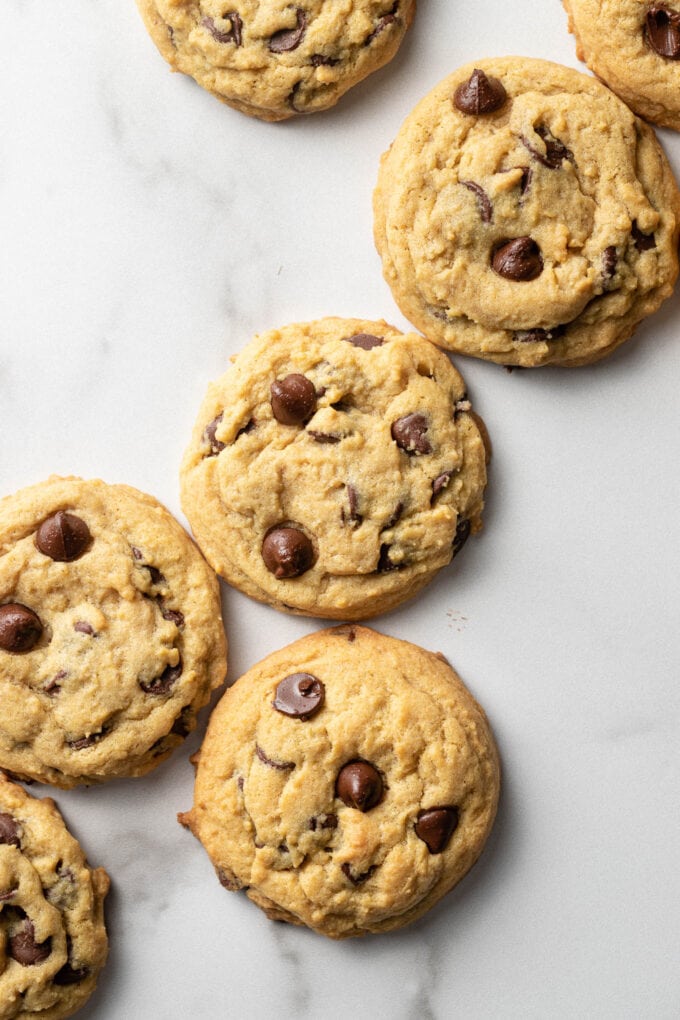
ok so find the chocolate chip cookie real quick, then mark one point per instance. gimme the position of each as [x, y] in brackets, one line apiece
[633, 46]
[335, 468]
[111, 637]
[346, 783]
[52, 936]
[526, 216]
[274, 59]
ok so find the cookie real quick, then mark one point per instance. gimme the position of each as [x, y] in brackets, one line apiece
[634, 47]
[335, 468]
[274, 59]
[111, 637]
[346, 783]
[52, 936]
[526, 216]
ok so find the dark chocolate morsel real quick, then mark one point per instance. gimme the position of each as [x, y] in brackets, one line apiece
[483, 200]
[162, 684]
[173, 615]
[461, 536]
[555, 151]
[323, 822]
[53, 686]
[356, 879]
[435, 826]
[537, 335]
[385, 564]
[293, 399]
[228, 880]
[69, 975]
[156, 576]
[479, 94]
[20, 628]
[9, 830]
[24, 949]
[63, 537]
[323, 437]
[387, 19]
[232, 35]
[83, 627]
[609, 260]
[359, 785]
[299, 695]
[440, 483]
[525, 180]
[289, 38]
[663, 31]
[409, 433]
[517, 259]
[82, 742]
[287, 552]
[283, 766]
[643, 242]
[396, 516]
[353, 499]
[209, 435]
[364, 340]
[321, 60]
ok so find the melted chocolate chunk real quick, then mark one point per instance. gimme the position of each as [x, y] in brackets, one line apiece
[440, 483]
[366, 341]
[409, 434]
[234, 34]
[483, 200]
[156, 576]
[299, 695]
[293, 399]
[323, 822]
[53, 686]
[663, 32]
[70, 975]
[9, 830]
[555, 152]
[435, 826]
[20, 628]
[396, 516]
[359, 785]
[461, 536]
[643, 242]
[538, 335]
[525, 180]
[287, 552]
[321, 60]
[25, 950]
[479, 94]
[610, 258]
[63, 537]
[517, 259]
[356, 879]
[209, 435]
[163, 683]
[283, 766]
[83, 627]
[82, 742]
[385, 564]
[387, 19]
[173, 615]
[353, 498]
[228, 880]
[323, 437]
[289, 38]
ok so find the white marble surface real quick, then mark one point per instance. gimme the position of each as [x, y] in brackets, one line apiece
[147, 233]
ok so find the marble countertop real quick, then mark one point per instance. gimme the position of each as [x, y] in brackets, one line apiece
[147, 233]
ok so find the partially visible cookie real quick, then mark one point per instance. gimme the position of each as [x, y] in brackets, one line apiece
[346, 783]
[526, 216]
[335, 468]
[111, 637]
[274, 59]
[633, 46]
[52, 936]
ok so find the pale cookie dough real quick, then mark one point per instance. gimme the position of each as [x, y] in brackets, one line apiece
[633, 46]
[346, 782]
[335, 468]
[111, 637]
[274, 59]
[52, 936]
[526, 216]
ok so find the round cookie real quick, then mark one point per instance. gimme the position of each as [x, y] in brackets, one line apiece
[633, 46]
[335, 468]
[52, 936]
[526, 216]
[273, 59]
[346, 783]
[111, 637]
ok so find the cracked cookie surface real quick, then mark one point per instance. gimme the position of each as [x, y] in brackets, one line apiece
[275, 59]
[111, 637]
[633, 46]
[346, 782]
[335, 468]
[526, 216]
[52, 936]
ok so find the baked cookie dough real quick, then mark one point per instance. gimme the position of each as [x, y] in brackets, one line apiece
[633, 46]
[526, 216]
[335, 468]
[52, 936]
[111, 637]
[346, 783]
[274, 59]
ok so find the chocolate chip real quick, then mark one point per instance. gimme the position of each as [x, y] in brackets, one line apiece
[299, 695]
[385, 564]
[387, 19]
[156, 576]
[537, 335]
[435, 826]
[69, 975]
[173, 615]
[83, 627]
[162, 684]
[525, 180]
[137, 553]
[9, 830]
[359, 785]
[289, 38]
[25, 950]
[5, 897]
[249, 426]
[20, 628]
[320, 60]
[353, 499]
[555, 151]
[479, 94]
[293, 399]
[53, 686]
[663, 32]
[517, 259]
[228, 880]
[461, 536]
[366, 341]
[82, 742]
[483, 200]
[409, 433]
[643, 242]
[209, 435]
[231, 35]
[440, 483]
[323, 437]
[356, 879]
[283, 766]
[396, 516]
[63, 537]
[323, 822]
[287, 552]
[609, 260]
